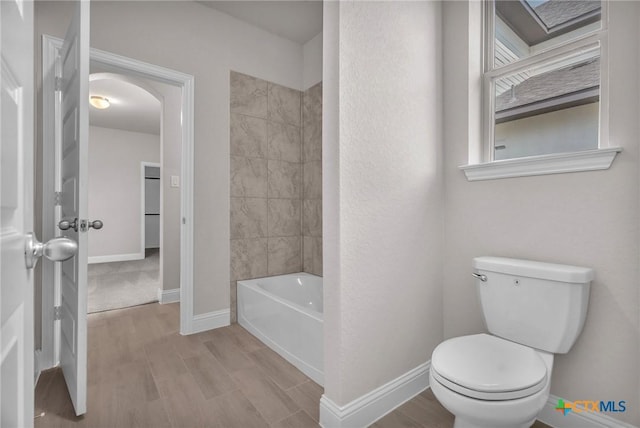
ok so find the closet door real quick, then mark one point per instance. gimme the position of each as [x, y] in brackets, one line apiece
[74, 58]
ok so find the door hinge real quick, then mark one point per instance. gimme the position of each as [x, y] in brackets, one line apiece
[57, 198]
[57, 313]
[58, 83]
[184, 220]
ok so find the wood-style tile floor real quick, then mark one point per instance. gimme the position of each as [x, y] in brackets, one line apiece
[143, 373]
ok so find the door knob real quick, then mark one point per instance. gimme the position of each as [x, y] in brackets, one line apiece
[66, 224]
[96, 224]
[57, 250]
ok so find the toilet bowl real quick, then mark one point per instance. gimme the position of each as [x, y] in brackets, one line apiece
[532, 311]
[489, 382]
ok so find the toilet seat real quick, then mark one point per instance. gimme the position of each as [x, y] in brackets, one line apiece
[488, 368]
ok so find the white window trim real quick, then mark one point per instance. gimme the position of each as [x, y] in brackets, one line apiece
[588, 160]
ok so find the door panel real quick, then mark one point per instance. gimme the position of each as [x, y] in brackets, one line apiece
[75, 132]
[16, 213]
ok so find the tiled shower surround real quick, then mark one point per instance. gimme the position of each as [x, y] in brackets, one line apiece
[312, 179]
[276, 180]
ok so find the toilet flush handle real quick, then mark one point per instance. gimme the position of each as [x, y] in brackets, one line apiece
[481, 277]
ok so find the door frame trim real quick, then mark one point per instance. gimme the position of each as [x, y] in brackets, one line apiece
[50, 47]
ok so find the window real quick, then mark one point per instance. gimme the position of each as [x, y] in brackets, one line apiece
[543, 88]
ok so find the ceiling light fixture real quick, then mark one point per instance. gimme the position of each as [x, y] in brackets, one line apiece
[99, 102]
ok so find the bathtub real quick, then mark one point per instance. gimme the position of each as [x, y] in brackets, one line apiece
[285, 313]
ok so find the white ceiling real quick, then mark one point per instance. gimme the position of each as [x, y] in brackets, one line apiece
[299, 21]
[132, 108]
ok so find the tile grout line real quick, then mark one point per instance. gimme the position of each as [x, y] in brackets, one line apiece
[286, 417]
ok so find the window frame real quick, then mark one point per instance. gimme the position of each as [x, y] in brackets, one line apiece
[565, 48]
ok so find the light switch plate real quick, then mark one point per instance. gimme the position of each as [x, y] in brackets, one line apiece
[175, 181]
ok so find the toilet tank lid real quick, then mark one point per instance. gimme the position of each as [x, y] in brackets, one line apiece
[533, 269]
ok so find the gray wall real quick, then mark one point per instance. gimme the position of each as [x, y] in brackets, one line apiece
[312, 179]
[171, 161]
[312, 62]
[266, 180]
[382, 192]
[586, 219]
[194, 39]
[114, 188]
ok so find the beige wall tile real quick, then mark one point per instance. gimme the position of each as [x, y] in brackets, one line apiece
[248, 258]
[312, 141]
[280, 180]
[284, 255]
[248, 95]
[234, 301]
[312, 217]
[248, 218]
[283, 142]
[284, 104]
[284, 179]
[312, 180]
[312, 105]
[248, 136]
[307, 254]
[248, 177]
[284, 217]
[312, 123]
[317, 256]
[312, 255]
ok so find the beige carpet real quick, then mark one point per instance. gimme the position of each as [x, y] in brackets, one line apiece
[123, 284]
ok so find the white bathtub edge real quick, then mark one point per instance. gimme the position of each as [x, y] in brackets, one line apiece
[253, 285]
[315, 375]
[375, 404]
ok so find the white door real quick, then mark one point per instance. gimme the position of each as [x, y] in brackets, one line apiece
[16, 213]
[74, 60]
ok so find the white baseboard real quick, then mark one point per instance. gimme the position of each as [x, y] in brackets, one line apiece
[210, 320]
[550, 416]
[168, 296]
[367, 409]
[115, 258]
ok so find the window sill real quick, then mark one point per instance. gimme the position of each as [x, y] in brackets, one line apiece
[588, 160]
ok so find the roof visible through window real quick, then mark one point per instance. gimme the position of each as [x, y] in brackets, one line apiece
[554, 13]
[537, 21]
[567, 86]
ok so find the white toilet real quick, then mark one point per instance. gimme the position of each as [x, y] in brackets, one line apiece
[532, 310]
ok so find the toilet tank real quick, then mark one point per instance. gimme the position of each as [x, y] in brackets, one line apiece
[541, 305]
